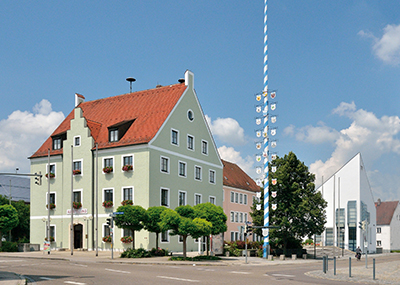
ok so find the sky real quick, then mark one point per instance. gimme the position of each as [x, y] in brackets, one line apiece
[335, 66]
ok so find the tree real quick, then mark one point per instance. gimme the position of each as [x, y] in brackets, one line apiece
[300, 209]
[131, 219]
[213, 214]
[21, 231]
[183, 222]
[153, 219]
[8, 219]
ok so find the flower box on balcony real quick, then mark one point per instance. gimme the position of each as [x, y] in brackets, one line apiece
[108, 204]
[108, 169]
[107, 239]
[127, 167]
[52, 206]
[127, 239]
[77, 172]
[77, 205]
[127, 202]
[52, 175]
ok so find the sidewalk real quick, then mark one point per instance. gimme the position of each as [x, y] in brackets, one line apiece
[387, 273]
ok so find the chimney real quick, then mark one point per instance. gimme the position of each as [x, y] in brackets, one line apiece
[79, 99]
[379, 202]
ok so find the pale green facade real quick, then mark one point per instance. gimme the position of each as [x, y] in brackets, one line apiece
[146, 180]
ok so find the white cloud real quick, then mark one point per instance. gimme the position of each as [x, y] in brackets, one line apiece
[23, 132]
[386, 48]
[313, 135]
[231, 155]
[371, 136]
[227, 130]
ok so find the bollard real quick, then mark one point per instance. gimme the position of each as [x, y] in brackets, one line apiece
[327, 263]
[324, 264]
[334, 265]
[373, 270]
[349, 266]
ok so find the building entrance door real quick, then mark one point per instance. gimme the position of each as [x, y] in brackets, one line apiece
[78, 236]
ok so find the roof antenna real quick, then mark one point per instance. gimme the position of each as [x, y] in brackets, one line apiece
[130, 80]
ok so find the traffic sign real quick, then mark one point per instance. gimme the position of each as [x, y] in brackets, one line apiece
[118, 213]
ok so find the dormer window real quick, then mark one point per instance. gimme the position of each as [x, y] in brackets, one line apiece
[113, 135]
[58, 141]
[117, 131]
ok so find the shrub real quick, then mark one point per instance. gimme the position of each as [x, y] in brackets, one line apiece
[127, 239]
[76, 171]
[107, 239]
[77, 205]
[196, 258]
[135, 253]
[108, 204]
[158, 252]
[9, 246]
[52, 206]
[108, 169]
[127, 167]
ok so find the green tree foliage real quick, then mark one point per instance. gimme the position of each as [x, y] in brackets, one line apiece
[300, 209]
[153, 219]
[8, 219]
[183, 222]
[21, 232]
[132, 219]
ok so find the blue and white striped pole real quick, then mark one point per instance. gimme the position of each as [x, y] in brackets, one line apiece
[266, 152]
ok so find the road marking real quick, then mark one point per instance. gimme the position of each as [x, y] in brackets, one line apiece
[76, 283]
[76, 264]
[46, 278]
[179, 279]
[239, 272]
[283, 275]
[119, 271]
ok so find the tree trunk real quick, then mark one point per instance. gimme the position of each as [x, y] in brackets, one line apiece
[157, 234]
[208, 245]
[184, 245]
[1, 238]
[133, 239]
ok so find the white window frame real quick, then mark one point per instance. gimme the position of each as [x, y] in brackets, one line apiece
[179, 169]
[212, 197]
[80, 141]
[113, 162]
[161, 240]
[202, 149]
[187, 142]
[190, 110]
[240, 198]
[113, 194]
[236, 217]
[232, 216]
[168, 197]
[55, 199]
[81, 161]
[79, 190]
[133, 161]
[201, 198]
[177, 137]
[55, 231]
[133, 193]
[209, 176]
[232, 197]
[103, 231]
[168, 164]
[185, 202]
[55, 169]
[201, 173]
[236, 198]
[245, 199]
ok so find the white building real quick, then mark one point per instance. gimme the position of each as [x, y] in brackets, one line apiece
[350, 201]
[387, 226]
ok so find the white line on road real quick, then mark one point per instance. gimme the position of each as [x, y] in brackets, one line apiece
[46, 278]
[76, 264]
[283, 275]
[76, 283]
[179, 279]
[119, 271]
[239, 272]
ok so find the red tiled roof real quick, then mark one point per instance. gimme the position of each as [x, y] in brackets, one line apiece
[385, 211]
[149, 109]
[234, 176]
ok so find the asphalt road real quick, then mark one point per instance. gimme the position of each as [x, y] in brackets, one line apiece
[48, 271]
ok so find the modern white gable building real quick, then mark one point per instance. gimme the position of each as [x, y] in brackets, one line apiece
[350, 201]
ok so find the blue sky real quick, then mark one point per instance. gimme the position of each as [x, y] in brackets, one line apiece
[335, 66]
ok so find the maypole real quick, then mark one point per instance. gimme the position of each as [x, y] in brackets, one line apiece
[266, 142]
